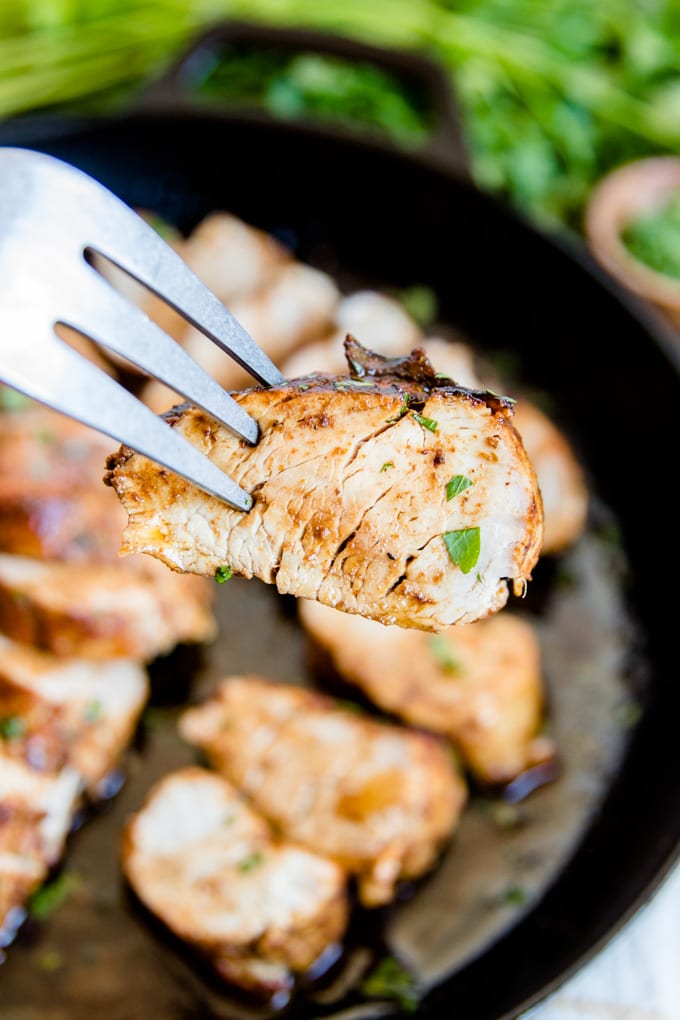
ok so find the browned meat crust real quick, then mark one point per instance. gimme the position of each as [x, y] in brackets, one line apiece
[379, 799]
[352, 505]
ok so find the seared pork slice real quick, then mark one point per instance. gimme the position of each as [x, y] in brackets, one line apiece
[561, 477]
[393, 494]
[55, 712]
[36, 812]
[296, 303]
[379, 799]
[52, 501]
[480, 685]
[100, 611]
[261, 910]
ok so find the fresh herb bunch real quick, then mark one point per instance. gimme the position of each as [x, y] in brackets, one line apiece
[553, 94]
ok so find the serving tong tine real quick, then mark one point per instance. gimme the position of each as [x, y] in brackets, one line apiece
[52, 217]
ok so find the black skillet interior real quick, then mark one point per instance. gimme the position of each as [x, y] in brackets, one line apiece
[366, 211]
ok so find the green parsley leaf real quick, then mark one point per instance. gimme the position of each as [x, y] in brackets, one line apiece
[514, 896]
[443, 655]
[387, 465]
[93, 711]
[251, 862]
[353, 384]
[501, 396]
[223, 573]
[12, 727]
[50, 961]
[12, 400]
[427, 423]
[401, 412]
[391, 980]
[456, 485]
[45, 901]
[358, 368]
[421, 304]
[463, 547]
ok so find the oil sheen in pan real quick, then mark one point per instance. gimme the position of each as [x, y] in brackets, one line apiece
[101, 955]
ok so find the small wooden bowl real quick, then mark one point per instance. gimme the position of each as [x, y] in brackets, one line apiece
[623, 195]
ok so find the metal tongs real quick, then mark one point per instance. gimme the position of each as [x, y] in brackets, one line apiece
[52, 218]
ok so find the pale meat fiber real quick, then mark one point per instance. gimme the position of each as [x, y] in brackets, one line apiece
[351, 505]
[258, 908]
[379, 799]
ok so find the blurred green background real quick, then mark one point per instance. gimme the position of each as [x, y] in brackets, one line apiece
[553, 93]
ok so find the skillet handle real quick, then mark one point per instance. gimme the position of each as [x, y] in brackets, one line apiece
[177, 89]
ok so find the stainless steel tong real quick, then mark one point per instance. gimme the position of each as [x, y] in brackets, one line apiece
[52, 218]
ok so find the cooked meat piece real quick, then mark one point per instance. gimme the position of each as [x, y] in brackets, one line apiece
[561, 478]
[566, 499]
[480, 685]
[36, 812]
[52, 501]
[295, 304]
[379, 799]
[261, 910]
[354, 484]
[380, 321]
[55, 712]
[101, 611]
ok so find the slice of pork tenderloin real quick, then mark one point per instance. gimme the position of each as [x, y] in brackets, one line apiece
[101, 611]
[68, 711]
[259, 909]
[390, 493]
[380, 799]
[480, 685]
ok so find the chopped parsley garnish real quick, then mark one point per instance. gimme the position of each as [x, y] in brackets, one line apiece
[93, 711]
[427, 423]
[45, 901]
[252, 862]
[463, 547]
[12, 727]
[514, 896]
[443, 655]
[500, 396]
[351, 384]
[391, 980]
[421, 304]
[12, 400]
[387, 465]
[304, 386]
[401, 412]
[223, 573]
[456, 485]
[358, 368]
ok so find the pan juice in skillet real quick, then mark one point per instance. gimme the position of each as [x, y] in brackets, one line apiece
[530, 797]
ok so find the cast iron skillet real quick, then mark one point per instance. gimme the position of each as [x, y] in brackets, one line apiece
[371, 210]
